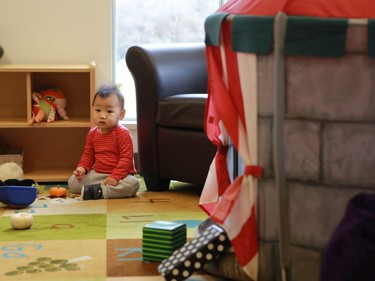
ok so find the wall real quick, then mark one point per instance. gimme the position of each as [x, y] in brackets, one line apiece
[59, 31]
[55, 31]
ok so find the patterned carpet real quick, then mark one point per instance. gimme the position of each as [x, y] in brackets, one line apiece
[97, 240]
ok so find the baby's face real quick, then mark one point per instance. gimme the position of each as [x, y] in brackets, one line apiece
[107, 113]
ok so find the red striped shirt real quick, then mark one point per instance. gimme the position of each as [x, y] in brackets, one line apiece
[110, 153]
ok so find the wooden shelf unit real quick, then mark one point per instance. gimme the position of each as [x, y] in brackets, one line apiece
[50, 150]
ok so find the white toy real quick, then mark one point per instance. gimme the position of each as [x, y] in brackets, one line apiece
[10, 170]
[21, 220]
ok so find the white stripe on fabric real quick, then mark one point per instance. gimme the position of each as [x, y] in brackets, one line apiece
[210, 190]
[247, 76]
[225, 71]
[251, 268]
[247, 67]
[241, 210]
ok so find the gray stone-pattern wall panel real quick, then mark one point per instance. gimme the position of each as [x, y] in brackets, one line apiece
[349, 154]
[267, 210]
[302, 150]
[265, 84]
[333, 92]
[305, 264]
[329, 148]
[268, 258]
[265, 146]
[315, 211]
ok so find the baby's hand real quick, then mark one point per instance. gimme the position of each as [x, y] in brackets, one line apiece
[80, 172]
[111, 181]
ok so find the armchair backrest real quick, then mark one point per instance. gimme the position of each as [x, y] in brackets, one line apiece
[169, 69]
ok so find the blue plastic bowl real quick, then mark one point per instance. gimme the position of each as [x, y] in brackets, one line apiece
[18, 196]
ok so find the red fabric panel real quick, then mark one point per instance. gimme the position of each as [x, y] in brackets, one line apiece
[219, 97]
[246, 242]
[234, 87]
[224, 207]
[319, 8]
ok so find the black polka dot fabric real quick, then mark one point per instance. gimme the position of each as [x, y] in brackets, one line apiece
[209, 245]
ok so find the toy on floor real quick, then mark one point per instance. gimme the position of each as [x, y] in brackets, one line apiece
[57, 191]
[47, 104]
[18, 197]
[21, 220]
[161, 239]
[10, 170]
[193, 255]
[15, 191]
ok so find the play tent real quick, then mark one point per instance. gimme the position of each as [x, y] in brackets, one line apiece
[291, 86]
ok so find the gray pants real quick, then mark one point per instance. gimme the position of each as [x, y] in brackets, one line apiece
[127, 187]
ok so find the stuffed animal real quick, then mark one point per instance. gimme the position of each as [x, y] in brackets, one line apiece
[47, 104]
[10, 170]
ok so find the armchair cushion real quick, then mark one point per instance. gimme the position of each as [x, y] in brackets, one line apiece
[182, 111]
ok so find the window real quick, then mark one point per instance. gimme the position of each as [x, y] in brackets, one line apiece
[154, 21]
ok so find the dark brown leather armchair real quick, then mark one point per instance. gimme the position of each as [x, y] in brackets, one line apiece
[171, 93]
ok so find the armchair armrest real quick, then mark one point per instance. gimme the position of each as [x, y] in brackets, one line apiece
[160, 71]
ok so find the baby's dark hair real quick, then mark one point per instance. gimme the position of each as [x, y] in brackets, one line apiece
[106, 90]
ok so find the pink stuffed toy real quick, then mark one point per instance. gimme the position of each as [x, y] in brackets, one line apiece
[46, 104]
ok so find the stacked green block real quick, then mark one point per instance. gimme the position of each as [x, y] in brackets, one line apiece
[161, 239]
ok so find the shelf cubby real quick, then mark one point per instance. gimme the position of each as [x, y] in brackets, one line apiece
[50, 150]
